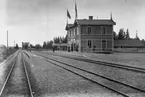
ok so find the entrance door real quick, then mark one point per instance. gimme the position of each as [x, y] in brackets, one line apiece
[103, 45]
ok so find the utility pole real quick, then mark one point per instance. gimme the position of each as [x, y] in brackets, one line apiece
[7, 45]
[7, 39]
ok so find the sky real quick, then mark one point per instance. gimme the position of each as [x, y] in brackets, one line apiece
[36, 21]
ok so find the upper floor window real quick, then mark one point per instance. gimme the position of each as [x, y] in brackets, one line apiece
[68, 33]
[104, 30]
[89, 43]
[74, 31]
[77, 30]
[89, 30]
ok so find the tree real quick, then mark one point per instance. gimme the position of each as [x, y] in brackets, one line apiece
[60, 39]
[31, 46]
[37, 46]
[127, 35]
[115, 35]
[121, 34]
[137, 38]
[56, 39]
[44, 45]
[49, 44]
[64, 39]
[143, 40]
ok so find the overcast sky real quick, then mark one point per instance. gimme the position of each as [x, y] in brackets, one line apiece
[41, 20]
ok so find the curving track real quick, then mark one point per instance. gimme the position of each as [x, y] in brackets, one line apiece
[120, 66]
[84, 73]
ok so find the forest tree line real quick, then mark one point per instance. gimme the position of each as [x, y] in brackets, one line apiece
[124, 35]
[48, 44]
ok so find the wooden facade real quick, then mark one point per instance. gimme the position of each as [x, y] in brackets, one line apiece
[91, 35]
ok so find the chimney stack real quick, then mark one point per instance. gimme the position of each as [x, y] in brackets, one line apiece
[90, 17]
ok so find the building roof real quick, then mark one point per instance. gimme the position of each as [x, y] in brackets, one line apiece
[91, 22]
[128, 43]
[95, 22]
[68, 26]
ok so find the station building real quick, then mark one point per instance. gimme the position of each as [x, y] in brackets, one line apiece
[91, 35]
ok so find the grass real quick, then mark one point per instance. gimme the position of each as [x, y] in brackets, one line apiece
[6, 53]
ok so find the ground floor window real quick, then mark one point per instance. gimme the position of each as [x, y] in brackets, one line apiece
[89, 43]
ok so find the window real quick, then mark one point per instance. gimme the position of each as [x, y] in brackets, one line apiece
[89, 30]
[103, 40]
[103, 30]
[74, 31]
[103, 45]
[89, 43]
[77, 30]
[68, 33]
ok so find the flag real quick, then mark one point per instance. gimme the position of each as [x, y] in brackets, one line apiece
[111, 16]
[76, 13]
[68, 14]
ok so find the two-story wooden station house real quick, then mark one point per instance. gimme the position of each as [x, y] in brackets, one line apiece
[91, 35]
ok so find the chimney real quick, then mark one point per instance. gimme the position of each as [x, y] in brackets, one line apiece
[90, 17]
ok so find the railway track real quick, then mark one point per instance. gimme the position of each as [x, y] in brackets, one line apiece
[75, 70]
[27, 76]
[12, 74]
[120, 66]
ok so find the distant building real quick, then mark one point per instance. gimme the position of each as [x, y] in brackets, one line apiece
[91, 35]
[60, 46]
[128, 44]
[143, 43]
[25, 45]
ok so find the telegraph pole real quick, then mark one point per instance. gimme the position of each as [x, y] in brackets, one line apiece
[7, 39]
[7, 44]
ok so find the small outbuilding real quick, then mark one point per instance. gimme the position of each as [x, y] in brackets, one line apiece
[128, 46]
[60, 46]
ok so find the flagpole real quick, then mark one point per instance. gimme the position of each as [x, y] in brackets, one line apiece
[76, 12]
[66, 16]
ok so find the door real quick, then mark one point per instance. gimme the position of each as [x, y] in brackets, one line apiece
[103, 45]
